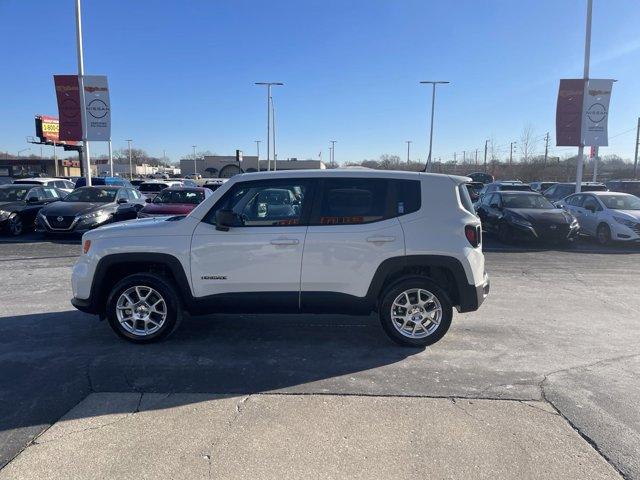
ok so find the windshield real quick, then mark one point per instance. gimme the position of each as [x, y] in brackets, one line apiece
[192, 197]
[517, 188]
[526, 201]
[92, 195]
[152, 187]
[621, 202]
[13, 194]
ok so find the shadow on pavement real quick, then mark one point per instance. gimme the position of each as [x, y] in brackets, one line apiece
[51, 361]
[579, 245]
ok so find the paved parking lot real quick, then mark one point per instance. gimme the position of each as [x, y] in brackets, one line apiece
[542, 382]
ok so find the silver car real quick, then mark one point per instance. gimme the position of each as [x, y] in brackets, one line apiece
[607, 216]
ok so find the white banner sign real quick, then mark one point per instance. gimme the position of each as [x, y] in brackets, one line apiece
[595, 112]
[98, 108]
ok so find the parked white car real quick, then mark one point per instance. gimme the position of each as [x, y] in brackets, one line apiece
[404, 244]
[607, 216]
[59, 183]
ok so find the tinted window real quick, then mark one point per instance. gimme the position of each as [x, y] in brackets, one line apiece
[192, 197]
[408, 196]
[352, 201]
[152, 187]
[525, 201]
[518, 188]
[465, 198]
[92, 194]
[264, 203]
[13, 194]
[594, 188]
[36, 193]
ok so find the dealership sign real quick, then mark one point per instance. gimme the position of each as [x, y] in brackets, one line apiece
[98, 108]
[68, 95]
[582, 112]
[95, 101]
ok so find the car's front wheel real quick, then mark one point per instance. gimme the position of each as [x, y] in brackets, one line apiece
[15, 225]
[603, 234]
[144, 308]
[415, 312]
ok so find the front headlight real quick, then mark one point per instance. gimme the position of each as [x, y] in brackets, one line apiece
[625, 222]
[97, 216]
[520, 221]
[4, 214]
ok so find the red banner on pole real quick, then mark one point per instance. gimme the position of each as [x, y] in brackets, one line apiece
[569, 113]
[68, 95]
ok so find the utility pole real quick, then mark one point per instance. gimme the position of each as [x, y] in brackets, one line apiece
[464, 157]
[333, 152]
[130, 162]
[454, 157]
[587, 54]
[409, 142]
[476, 157]
[433, 102]
[258, 152]
[546, 151]
[86, 157]
[511, 152]
[269, 85]
[486, 143]
[635, 161]
[110, 159]
[195, 165]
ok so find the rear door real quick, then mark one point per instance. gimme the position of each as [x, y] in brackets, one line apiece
[591, 210]
[353, 229]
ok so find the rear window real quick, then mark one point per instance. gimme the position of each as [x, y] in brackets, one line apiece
[515, 188]
[152, 187]
[465, 199]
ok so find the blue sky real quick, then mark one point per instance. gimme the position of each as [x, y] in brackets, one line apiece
[182, 72]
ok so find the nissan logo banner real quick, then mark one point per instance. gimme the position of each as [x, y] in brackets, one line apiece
[582, 112]
[98, 108]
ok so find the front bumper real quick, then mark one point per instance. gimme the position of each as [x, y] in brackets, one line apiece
[544, 232]
[77, 227]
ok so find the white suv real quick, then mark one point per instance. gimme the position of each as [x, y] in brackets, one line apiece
[405, 245]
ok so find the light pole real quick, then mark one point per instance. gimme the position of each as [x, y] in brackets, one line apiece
[86, 157]
[433, 102]
[587, 54]
[195, 167]
[130, 160]
[258, 152]
[333, 152]
[409, 142]
[269, 85]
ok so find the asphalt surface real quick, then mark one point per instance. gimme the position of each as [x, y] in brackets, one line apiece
[560, 327]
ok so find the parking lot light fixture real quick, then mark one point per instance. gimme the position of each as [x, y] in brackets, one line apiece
[268, 85]
[433, 83]
[195, 165]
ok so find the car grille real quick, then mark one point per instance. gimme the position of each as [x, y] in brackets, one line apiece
[552, 231]
[636, 229]
[60, 222]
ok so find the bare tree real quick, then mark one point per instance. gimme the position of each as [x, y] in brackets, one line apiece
[527, 142]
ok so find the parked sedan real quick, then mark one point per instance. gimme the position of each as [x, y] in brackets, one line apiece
[19, 205]
[151, 188]
[558, 192]
[59, 183]
[525, 216]
[89, 207]
[607, 216]
[174, 201]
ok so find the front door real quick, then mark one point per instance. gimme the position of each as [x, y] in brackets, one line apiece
[256, 263]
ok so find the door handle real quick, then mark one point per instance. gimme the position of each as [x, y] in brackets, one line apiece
[380, 239]
[285, 241]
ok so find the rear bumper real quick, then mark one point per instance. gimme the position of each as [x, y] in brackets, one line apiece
[472, 296]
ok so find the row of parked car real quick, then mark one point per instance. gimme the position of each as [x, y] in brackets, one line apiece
[60, 206]
[553, 212]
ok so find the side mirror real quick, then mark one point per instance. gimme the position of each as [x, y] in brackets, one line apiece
[33, 200]
[122, 200]
[148, 200]
[224, 220]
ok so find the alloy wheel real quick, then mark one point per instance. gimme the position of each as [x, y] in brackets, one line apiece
[416, 313]
[15, 225]
[141, 310]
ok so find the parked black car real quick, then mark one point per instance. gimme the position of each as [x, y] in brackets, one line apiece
[19, 205]
[541, 187]
[561, 190]
[625, 186]
[525, 216]
[90, 207]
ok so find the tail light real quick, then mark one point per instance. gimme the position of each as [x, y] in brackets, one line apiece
[473, 234]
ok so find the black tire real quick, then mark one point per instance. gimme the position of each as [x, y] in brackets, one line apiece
[393, 291]
[603, 234]
[504, 233]
[161, 285]
[15, 225]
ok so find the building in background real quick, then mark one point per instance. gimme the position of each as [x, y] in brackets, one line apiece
[39, 167]
[226, 166]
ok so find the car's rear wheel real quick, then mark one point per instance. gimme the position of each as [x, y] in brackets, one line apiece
[15, 225]
[415, 312]
[144, 308]
[603, 234]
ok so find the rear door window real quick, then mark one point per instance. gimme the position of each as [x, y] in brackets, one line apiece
[354, 201]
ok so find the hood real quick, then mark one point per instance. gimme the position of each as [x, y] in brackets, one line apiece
[145, 228]
[633, 215]
[168, 208]
[538, 215]
[12, 206]
[75, 208]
